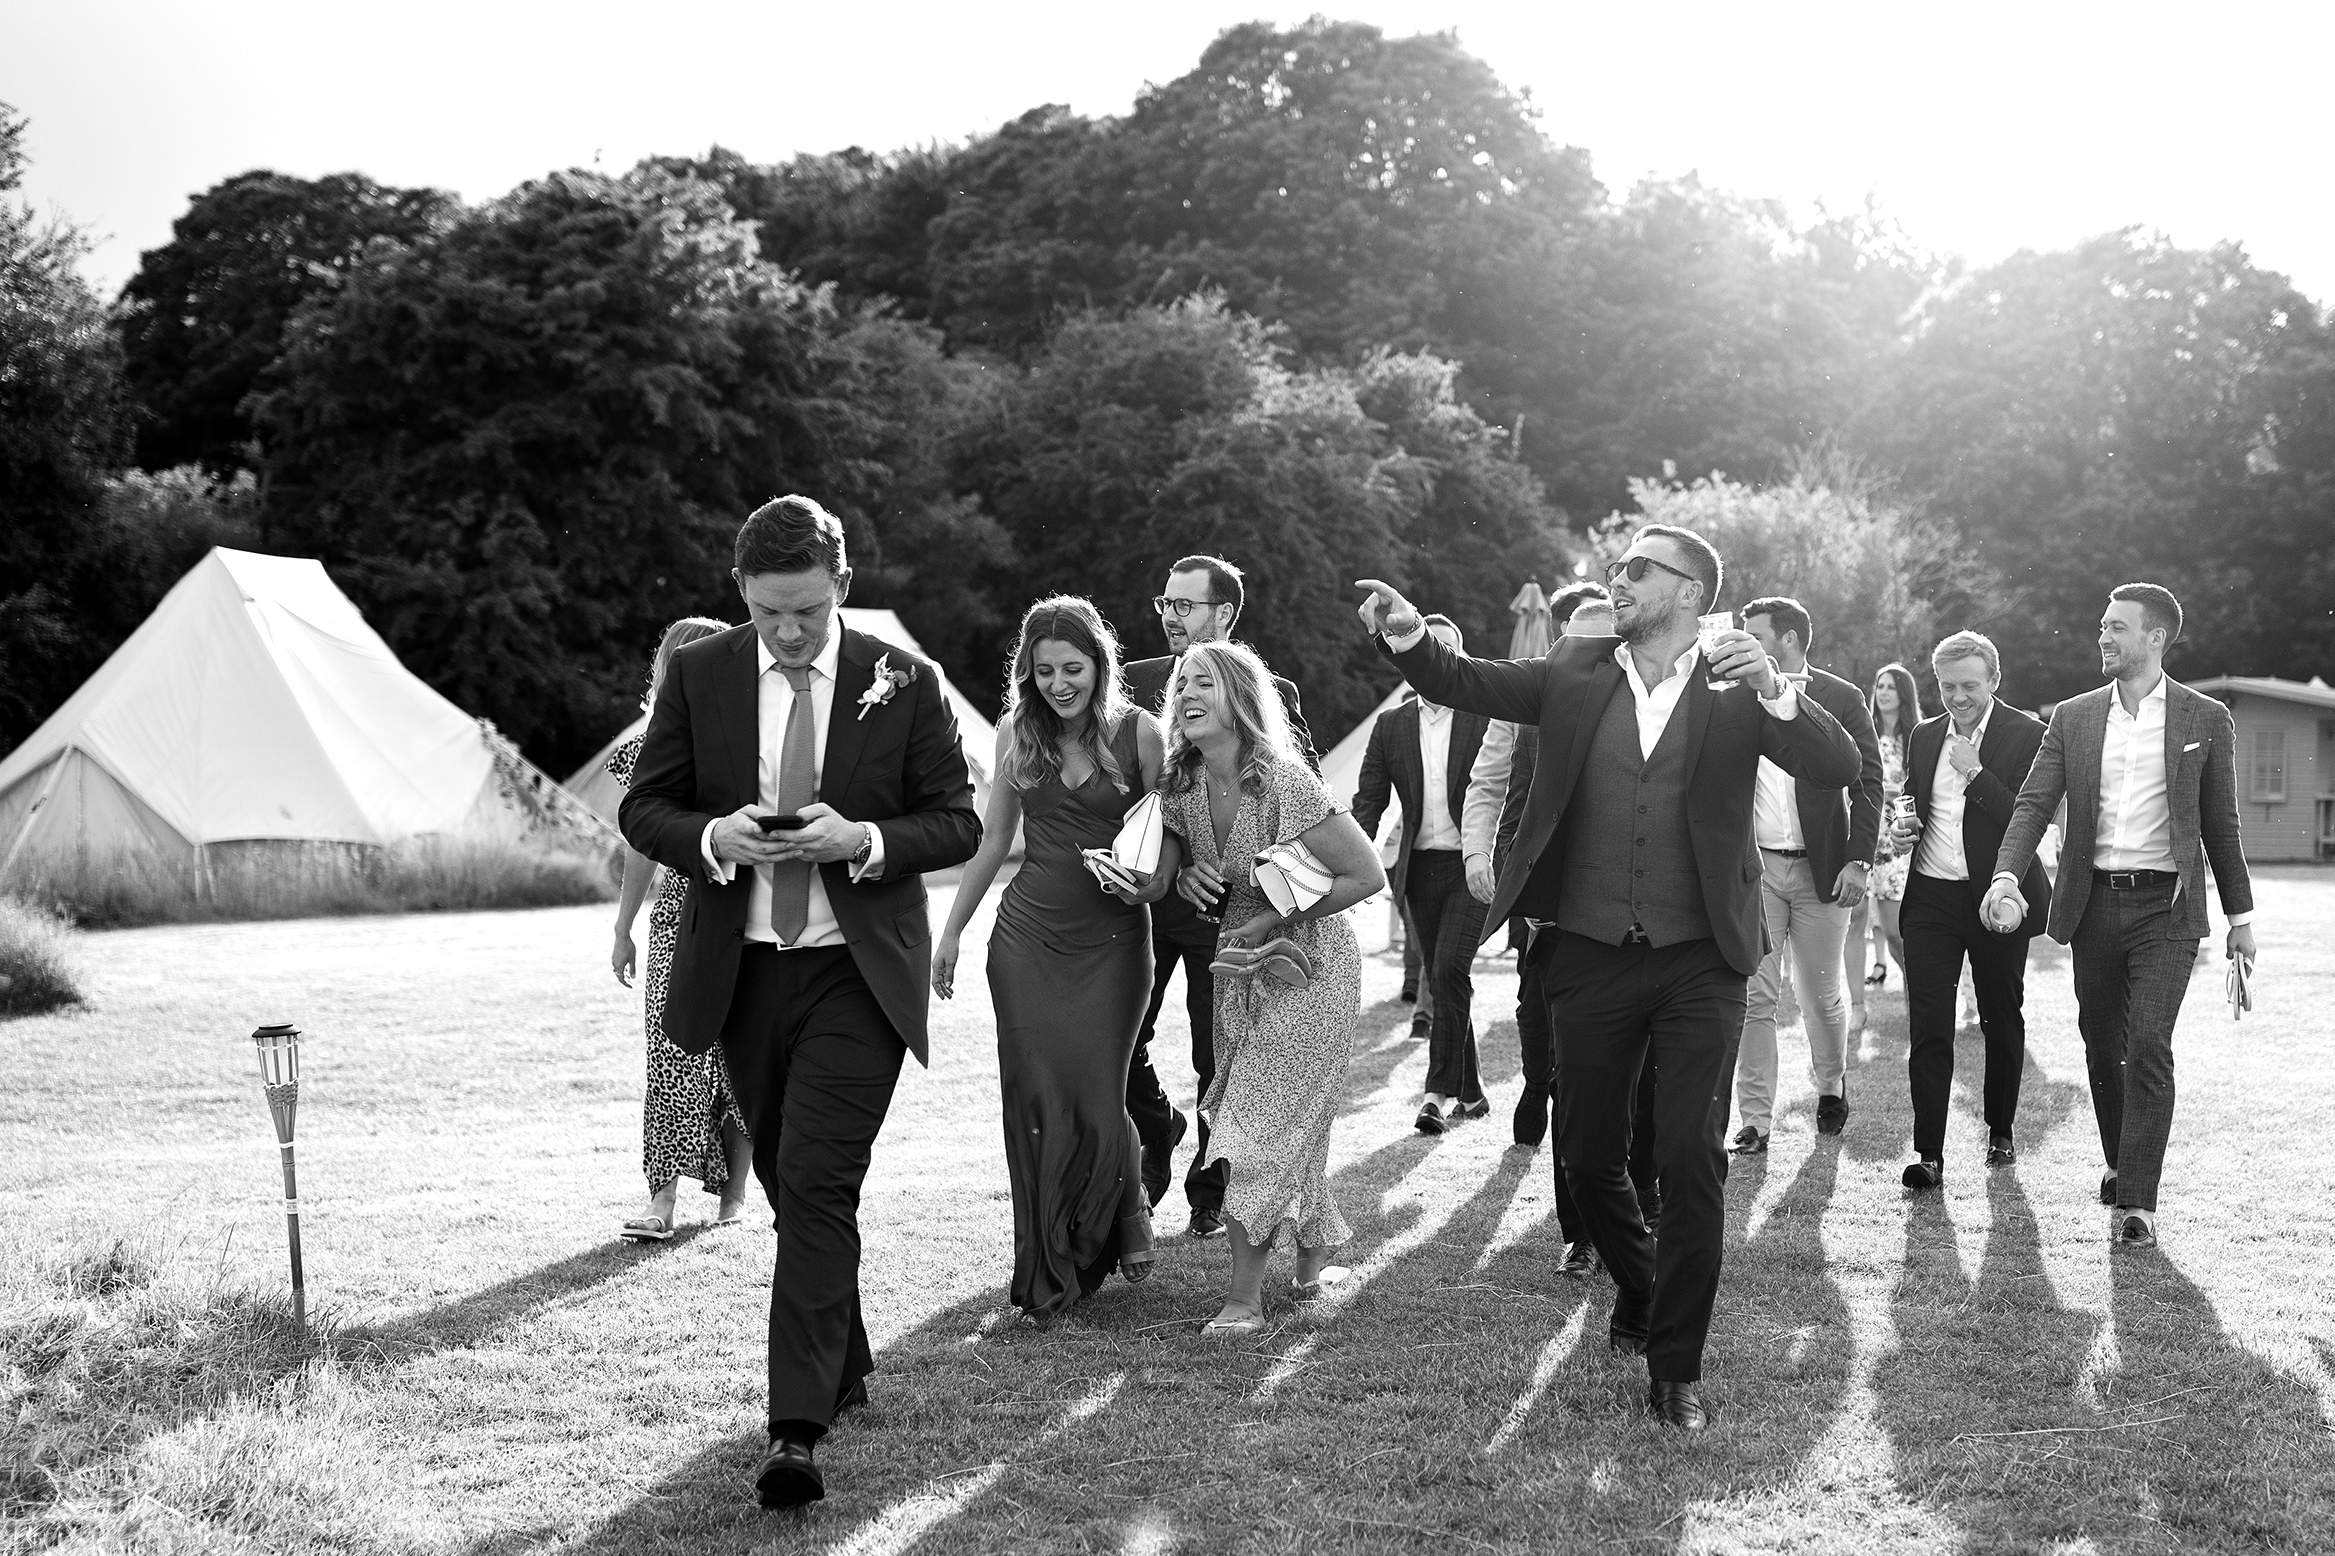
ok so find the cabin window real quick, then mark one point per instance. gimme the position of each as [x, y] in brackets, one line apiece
[2269, 780]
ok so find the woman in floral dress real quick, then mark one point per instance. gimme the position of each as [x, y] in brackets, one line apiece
[690, 1124]
[1285, 1030]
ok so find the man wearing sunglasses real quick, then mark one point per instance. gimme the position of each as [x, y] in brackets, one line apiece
[1636, 846]
[1200, 604]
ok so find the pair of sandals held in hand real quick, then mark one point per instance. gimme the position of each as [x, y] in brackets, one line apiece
[1281, 962]
[1293, 880]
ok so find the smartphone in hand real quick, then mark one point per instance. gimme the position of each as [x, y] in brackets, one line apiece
[780, 823]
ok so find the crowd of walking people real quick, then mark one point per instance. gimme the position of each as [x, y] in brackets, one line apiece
[1658, 814]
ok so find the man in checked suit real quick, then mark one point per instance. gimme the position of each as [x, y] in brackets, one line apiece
[1963, 769]
[1636, 842]
[2149, 772]
[1421, 752]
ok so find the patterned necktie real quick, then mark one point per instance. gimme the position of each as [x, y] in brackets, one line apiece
[798, 786]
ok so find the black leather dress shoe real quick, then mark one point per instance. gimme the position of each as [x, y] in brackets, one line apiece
[788, 1475]
[1927, 1173]
[1430, 1120]
[2000, 1152]
[1479, 1108]
[1626, 1330]
[1532, 1115]
[1206, 1223]
[1832, 1114]
[1159, 1167]
[1679, 1404]
[1749, 1141]
[1580, 1260]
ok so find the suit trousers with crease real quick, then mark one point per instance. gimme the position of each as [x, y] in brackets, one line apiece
[1147, 1099]
[1450, 924]
[814, 1060]
[1940, 925]
[1611, 1006]
[2131, 974]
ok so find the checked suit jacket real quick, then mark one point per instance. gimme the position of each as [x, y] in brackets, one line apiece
[2201, 792]
[899, 767]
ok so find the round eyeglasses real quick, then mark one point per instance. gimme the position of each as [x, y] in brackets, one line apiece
[1180, 609]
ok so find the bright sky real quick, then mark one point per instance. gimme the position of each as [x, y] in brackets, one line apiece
[1983, 127]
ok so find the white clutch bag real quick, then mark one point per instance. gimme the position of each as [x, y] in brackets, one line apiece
[1291, 878]
[1135, 851]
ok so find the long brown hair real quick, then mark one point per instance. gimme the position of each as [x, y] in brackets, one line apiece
[1909, 704]
[687, 630]
[1257, 715]
[1036, 752]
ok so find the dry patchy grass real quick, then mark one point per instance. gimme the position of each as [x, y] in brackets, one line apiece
[36, 960]
[1977, 1372]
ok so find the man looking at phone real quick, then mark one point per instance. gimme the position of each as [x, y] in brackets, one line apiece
[826, 764]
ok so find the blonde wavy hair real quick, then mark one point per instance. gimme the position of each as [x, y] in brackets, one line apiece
[1036, 752]
[1254, 703]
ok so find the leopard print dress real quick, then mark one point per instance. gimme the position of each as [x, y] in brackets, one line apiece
[687, 1099]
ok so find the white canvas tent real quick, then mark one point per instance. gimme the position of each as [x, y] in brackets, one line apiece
[1342, 763]
[593, 784]
[254, 707]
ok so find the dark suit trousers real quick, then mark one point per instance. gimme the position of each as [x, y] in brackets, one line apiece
[1536, 1037]
[1611, 1006]
[1940, 923]
[2131, 975]
[813, 1059]
[1147, 1099]
[1450, 923]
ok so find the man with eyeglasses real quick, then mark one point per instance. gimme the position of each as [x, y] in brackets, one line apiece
[1201, 603]
[1636, 843]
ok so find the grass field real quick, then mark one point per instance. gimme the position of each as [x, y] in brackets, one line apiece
[496, 1374]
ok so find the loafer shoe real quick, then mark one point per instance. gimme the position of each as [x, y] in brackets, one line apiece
[1580, 1260]
[788, 1476]
[1927, 1173]
[2000, 1152]
[1431, 1120]
[2135, 1229]
[2108, 1187]
[1679, 1405]
[1480, 1108]
[1205, 1224]
[1749, 1142]
[1832, 1114]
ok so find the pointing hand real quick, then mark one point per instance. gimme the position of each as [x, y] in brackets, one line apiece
[1386, 610]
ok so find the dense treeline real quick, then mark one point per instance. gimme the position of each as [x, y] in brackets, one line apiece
[1330, 303]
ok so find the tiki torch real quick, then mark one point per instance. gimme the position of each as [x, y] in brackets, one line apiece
[279, 1077]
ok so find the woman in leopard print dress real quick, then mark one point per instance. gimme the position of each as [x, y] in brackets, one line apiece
[690, 1124]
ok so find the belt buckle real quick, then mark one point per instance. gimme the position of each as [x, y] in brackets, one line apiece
[2123, 880]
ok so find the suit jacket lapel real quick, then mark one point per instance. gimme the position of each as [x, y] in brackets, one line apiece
[738, 704]
[847, 732]
[1605, 678]
[1459, 761]
[1929, 745]
[1414, 754]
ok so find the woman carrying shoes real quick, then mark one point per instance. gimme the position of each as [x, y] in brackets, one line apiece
[1069, 957]
[1290, 992]
[690, 1124]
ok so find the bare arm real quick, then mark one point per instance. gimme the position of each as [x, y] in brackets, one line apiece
[997, 830]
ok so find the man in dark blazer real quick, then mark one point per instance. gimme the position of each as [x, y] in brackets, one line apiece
[1815, 855]
[1448, 920]
[2148, 769]
[811, 965]
[1201, 604]
[1636, 845]
[1963, 770]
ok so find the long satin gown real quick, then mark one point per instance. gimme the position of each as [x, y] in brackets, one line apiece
[1070, 972]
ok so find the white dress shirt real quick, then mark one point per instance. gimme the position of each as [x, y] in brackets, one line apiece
[774, 704]
[1437, 827]
[1940, 854]
[1775, 807]
[2136, 813]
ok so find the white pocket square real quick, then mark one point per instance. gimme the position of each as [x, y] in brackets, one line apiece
[2193, 745]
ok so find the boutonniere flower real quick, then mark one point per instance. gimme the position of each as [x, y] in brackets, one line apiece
[885, 686]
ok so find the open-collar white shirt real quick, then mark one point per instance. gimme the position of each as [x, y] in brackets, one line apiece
[1939, 855]
[1438, 828]
[774, 704]
[2136, 812]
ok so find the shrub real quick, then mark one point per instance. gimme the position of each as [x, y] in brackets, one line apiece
[272, 881]
[36, 966]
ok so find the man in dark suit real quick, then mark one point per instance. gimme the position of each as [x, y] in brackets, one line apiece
[1421, 752]
[1963, 770]
[2149, 772]
[1201, 604]
[1815, 854]
[812, 965]
[1636, 844]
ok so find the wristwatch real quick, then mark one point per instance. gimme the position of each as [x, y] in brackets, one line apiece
[867, 844]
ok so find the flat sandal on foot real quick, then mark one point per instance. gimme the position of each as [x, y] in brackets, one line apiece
[1232, 1328]
[1330, 1279]
[647, 1229]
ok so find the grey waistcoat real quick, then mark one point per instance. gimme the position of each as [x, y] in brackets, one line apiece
[1628, 856]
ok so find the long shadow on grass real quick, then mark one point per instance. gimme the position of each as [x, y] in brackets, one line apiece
[468, 1320]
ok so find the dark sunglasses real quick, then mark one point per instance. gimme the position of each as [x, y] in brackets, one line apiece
[1636, 567]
